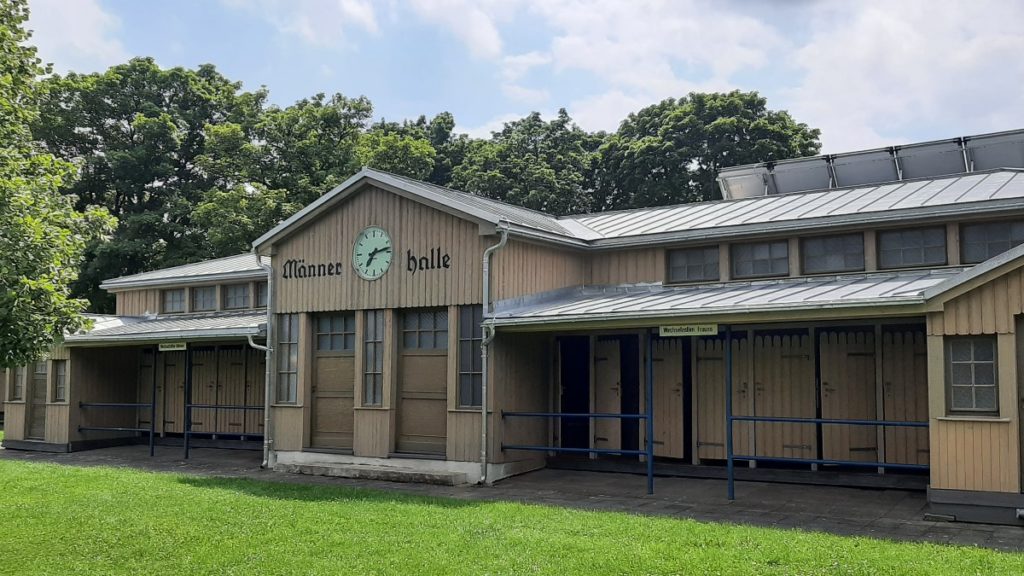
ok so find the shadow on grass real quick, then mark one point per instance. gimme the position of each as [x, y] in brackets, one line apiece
[320, 493]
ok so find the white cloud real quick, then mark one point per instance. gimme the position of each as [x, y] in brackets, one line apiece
[493, 125]
[316, 22]
[77, 36]
[474, 23]
[874, 72]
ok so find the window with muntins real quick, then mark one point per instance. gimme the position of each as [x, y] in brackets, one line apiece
[979, 242]
[236, 296]
[425, 329]
[262, 290]
[373, 358]
[470, 363]
[287, 358]
[693, 264]
[173, 301]
[760, 259]
[18, 383]
[336, 332]
[204, 298]
[912, 248]
[842, 253]
[971, 377]
[60, 380]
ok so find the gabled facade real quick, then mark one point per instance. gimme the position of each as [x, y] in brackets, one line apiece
[871, 327]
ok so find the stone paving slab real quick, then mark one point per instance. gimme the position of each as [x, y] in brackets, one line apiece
[873, 513]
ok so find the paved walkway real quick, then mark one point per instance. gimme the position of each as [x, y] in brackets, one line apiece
[890, 514]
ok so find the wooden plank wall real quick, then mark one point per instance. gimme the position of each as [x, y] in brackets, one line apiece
[905, 394]
[413, 227]
[522, 268]
[977, 453]
[518, 385]
[137, 302]
[102, 375]
[627, 266]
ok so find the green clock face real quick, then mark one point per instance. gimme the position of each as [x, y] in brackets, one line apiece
[372, 253]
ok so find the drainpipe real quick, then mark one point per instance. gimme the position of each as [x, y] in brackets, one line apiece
[268, 350]
[488, 336]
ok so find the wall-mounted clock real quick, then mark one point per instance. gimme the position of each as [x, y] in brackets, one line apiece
[372, 253]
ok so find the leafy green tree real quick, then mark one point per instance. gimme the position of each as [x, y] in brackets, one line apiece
[42, 236]
[671, 152]
[540, 165]
[233, 218]
[134, 134]
[404, 155]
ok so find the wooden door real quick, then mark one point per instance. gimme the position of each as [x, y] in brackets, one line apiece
[204, 389]
[255, 390]
[784, 386]
[333, 400]
[848, 392]
[669, 417]
[709, 379]
[173, 392]
[422, 419]
[231, 389]
[905, 395]
[607, 394]
[146, 383]
[36, 429]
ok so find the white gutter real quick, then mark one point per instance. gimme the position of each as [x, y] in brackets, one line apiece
[268, 349]
[488, 336]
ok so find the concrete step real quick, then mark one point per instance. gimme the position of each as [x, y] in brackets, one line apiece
[373, 472]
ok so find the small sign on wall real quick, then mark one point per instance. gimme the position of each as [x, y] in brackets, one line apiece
[688, 330]
[172, 346]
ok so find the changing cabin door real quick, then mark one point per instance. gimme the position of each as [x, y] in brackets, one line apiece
[848, 393]
[905, 394]
[173, 392]
[710, 374]
[668, 398]
[255, 390]
[607, 394]
[423, 383]
[205, 389]
[231, 388]
[333, 381]
[37, 402]
[784, 386]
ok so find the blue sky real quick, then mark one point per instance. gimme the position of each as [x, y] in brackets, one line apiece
[867, 73]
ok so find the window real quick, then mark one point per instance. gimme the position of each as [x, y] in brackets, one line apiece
[173, 301]
[760, 259]
[204, 298]
[693, 264]
[287, 358]
[336, 333]
[843, 253]
[60, 380]
[261, 294]
[979, 242]
[971, 374]
[373, 358]
[425, 329]
[18, 384]
[470, 363]
[236, 296]
[912, 248]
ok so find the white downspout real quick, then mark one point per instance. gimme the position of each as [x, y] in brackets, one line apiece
[267, 384]
[488, 336]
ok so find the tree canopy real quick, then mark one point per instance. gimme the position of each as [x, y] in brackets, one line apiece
[42, 235]
[196, 167]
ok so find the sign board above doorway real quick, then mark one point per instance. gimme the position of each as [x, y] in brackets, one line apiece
[172, 346]
[687, 330]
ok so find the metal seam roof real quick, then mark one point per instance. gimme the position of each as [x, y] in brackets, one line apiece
[238, 266]
[174, 326]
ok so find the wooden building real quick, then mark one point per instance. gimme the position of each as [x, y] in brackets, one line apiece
[854, 312]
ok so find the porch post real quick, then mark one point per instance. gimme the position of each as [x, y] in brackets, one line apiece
[728, 414]
[152, 405]
[649, 385]
[188, 397]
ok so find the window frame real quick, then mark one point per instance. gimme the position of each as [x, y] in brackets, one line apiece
[16, 391]
[985, 226]
[262, 296]
[948, 384]
[753, 276]
[472, 316]
[227, 297]
[344, 331]
[880, 236]
[59, 380]
[825, 238]
[372, 378]
[288, 328]
[714, 250]
[164, 309]
[195, 290]
[438, 332]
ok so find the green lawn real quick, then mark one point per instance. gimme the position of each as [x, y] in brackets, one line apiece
[64, 520]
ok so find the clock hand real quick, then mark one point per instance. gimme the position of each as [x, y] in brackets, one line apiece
[374, 252]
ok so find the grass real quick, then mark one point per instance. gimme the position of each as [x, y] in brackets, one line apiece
[67, 520]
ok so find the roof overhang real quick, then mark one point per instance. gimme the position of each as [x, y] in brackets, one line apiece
[114, 286]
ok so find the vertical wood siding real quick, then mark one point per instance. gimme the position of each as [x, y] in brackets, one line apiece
[522, 268]
[519, 381]
[988, 309]
[848, 392]
[668, 398]
[103, 375]
[905, 395]
[709, 379]
[627, 266]
[784, 386]
[137, 302]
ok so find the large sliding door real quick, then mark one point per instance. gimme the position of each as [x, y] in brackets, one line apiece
[422, 419]
[333, 381]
